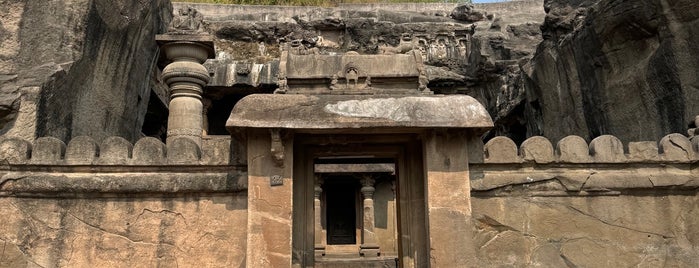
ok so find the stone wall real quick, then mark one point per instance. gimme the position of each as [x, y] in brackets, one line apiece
[600, 204]
[121, 205]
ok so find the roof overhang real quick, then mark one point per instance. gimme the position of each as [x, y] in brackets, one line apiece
[353, 112]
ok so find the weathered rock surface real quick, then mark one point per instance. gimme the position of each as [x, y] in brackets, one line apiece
[602, 231]
[626, 68]
[70, 68]
[124, 232]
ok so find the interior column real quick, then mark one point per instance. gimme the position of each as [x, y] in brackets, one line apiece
[369, 246]
[318, 232]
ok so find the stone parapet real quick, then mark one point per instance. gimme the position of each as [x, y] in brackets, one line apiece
[673, 148]
[575, 168]
[116, 151]
[49, 167]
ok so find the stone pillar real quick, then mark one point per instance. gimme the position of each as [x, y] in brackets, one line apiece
[318, 231]
[448, 198]
[270, 204]
[186, 77]
[369, 246]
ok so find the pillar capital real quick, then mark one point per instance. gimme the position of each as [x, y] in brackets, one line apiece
[368, 189]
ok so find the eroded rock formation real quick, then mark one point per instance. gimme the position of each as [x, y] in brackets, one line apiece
[70, 68]
[626, 68]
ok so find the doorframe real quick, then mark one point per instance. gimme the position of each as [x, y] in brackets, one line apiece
[412, 220]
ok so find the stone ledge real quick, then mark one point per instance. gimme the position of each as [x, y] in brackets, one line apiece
[68, 184]
[583, 179]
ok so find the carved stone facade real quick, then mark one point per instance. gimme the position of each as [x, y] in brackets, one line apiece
[354, 162]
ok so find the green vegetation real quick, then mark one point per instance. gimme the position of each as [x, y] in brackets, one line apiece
[315, 2]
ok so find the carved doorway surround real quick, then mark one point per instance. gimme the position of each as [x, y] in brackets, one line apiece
[405, 150]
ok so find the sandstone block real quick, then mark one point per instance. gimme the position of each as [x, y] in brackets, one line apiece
[676, 147]
[149, 151]
[82, 150]
[47, 150]
[115, 151]
[643, 151]
[216, 150]
[537, 149]
[607, 149]
[475, 150]
[573, 149]
[501, 150]
[15, 151]
[183, 151]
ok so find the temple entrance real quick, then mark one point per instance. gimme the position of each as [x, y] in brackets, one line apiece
[360, 202]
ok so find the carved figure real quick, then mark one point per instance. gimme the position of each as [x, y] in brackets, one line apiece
[188, 20]
[404, 46]
[432, 51]
[262, 49]
[422, 82]
[351, 74]
[462, 49]
[441, 49]
[282, 85]
[422, 47]
[333, 83]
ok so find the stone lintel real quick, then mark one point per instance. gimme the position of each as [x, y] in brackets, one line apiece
[352, 168]
[325, 66]
[352, 112]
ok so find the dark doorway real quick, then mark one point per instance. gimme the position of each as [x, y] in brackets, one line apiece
[341, 198]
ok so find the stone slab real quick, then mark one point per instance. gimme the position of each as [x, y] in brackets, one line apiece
[357, 112]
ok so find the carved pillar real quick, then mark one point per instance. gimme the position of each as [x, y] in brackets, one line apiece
[318, 233]
[369, 246]
[186, 77]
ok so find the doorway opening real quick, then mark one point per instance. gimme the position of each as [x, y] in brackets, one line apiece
[359, 201]
[340, 206]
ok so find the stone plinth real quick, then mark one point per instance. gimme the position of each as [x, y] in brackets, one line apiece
[186, 77]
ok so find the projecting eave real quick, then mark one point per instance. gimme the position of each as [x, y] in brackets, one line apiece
[326, 112]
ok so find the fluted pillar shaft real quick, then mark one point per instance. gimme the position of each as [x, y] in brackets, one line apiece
[369, 246]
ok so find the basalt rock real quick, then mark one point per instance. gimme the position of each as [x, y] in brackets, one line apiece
[78, 67]
[626, 68]
[476, 50]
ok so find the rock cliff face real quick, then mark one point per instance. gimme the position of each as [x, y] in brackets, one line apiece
[551, 68]
[78, 67]
[626, 68]
[471, 50]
